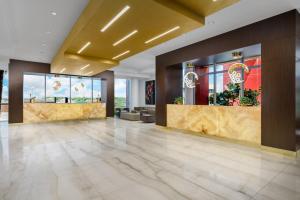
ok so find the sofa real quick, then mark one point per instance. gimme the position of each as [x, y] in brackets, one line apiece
[144, 114]
[139, 109]
[119, 110]
[131, 116]
[147, 116]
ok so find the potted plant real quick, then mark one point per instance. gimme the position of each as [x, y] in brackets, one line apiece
[178, 100]
[250, 98]
[246, 101]
[228, 96]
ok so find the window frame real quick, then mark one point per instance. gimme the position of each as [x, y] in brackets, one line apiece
[215, 73]
[70, 85]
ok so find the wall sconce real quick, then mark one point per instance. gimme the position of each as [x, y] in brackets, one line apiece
[237, 54]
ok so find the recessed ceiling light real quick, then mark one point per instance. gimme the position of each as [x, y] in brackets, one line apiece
[89, 73]
[84, 67]
[44, 45]
[115, 18]
[84, 47]
[53, 13]
[125, 38]
[64, 69]
[122, 54]
[48, 32]
[163, 34]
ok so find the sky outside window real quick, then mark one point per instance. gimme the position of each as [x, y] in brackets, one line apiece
[120, 93]
[5, 88]
[34, 88]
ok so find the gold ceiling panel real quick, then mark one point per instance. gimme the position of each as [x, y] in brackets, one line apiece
[149, 18]
[204, 7]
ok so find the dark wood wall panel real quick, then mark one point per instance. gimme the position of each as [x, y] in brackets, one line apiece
[277, 35]
[278, 93]
[16, 70]
[110, 101]
[173, 88]
[174, 76]
[298, 80]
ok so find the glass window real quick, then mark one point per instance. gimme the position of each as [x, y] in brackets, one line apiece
[34, 88]
[97, 87]
[120, 93]
[57, 88]
[222, 80]
[81, 90]
[5, 89]
[225, 66]
[217, 87]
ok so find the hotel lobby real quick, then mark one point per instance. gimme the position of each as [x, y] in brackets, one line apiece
[151, 99]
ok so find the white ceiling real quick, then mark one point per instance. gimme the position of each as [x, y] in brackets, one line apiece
[28, 31]
[236, 16]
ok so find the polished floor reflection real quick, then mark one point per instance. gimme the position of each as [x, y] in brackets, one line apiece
[3, 116]
[121, 160]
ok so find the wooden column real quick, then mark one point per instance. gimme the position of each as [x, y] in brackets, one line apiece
[16, 70]
[109, 77]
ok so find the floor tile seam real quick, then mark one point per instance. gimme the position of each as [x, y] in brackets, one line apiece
[270, 181]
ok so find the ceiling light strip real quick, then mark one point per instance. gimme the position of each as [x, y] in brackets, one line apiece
[89, 73]
[113, 20]
[61, 71]
[163, 34]
[125, 38]
[120, 55]
[84, 47]
[84, 67]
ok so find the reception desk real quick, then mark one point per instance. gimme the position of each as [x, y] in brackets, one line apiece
[44, 112]
[233, 122]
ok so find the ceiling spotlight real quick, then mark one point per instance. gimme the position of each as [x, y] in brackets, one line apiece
[61, 71]
[84, 67]
[84, 47]
[53, 13]
[125, 38]
[115, 18]
[44, 45]
[163, 34]
[48, 32]
[122, 54]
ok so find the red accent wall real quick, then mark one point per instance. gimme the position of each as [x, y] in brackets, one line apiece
[253, 78]
[202, 86]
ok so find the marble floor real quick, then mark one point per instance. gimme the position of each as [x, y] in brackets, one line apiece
[3, 116]
[121, 160]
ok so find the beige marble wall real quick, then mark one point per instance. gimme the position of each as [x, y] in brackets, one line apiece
[42, 112]
[233, 122]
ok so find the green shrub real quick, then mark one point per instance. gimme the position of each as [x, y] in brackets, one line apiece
[178, 100]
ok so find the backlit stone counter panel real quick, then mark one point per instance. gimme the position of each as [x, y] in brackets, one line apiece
[43, 112]
[233, 122]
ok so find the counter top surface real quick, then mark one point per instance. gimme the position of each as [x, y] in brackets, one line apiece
[42, 112]
[66, 103]
[234, 122]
